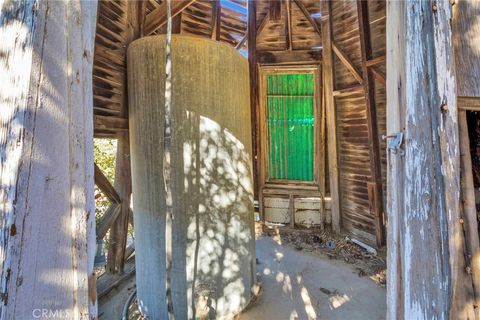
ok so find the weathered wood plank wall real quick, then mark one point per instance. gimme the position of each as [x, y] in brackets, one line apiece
[48, 221]
[358, 45]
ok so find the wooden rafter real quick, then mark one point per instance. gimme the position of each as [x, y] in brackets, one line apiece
[308, 16]
[158, 17]
[347, 62]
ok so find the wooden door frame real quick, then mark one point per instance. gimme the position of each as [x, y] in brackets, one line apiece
[319, 144]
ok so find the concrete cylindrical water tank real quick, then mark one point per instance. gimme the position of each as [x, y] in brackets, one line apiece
[213, 229]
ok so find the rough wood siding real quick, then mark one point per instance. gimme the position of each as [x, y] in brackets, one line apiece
[353, 159]
[274, 34]
[377, 18]
[48, 229]
[354, 155]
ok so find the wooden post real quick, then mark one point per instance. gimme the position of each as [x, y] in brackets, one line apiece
[466, 31]
[123, 183]
[423, 208]
[252, 61]
[288, 25]
[328, 83]
[216, 19]
[46, 150]
[375, 185]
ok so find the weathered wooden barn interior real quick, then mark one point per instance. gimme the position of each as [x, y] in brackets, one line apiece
[315, 132]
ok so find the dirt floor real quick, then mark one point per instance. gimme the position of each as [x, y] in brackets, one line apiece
[333, 246]
[302, 274]
[300, 278]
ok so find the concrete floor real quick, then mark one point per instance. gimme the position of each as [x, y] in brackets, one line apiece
[295, 285]
[291, 283]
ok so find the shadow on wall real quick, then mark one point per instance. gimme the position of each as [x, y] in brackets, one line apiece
[220, 222]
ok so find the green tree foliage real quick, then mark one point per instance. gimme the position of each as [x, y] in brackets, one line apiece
[104, 151]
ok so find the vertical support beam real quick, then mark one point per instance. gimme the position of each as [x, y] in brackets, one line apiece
[423, 191]
[470, 225]
[275, 10]
[123, 183]
[177, 24]
[252, 60]
[216, 19]
[288, 25]
[375, 184]
[47, 234]
[466, 40]
[328, 83]
[291, 208]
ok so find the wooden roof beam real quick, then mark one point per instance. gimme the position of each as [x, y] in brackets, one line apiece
[158, 17]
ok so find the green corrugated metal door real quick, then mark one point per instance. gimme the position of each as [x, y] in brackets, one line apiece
[290, 117]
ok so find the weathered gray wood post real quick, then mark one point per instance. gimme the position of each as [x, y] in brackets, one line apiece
[47, 233]
[427, 276]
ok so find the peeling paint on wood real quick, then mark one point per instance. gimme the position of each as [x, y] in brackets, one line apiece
[47, 233]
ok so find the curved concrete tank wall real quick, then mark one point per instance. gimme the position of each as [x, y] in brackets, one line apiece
[214, 241]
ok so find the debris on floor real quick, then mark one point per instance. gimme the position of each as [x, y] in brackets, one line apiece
[324, 242]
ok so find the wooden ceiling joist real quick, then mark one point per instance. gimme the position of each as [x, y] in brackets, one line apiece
[157, 18]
